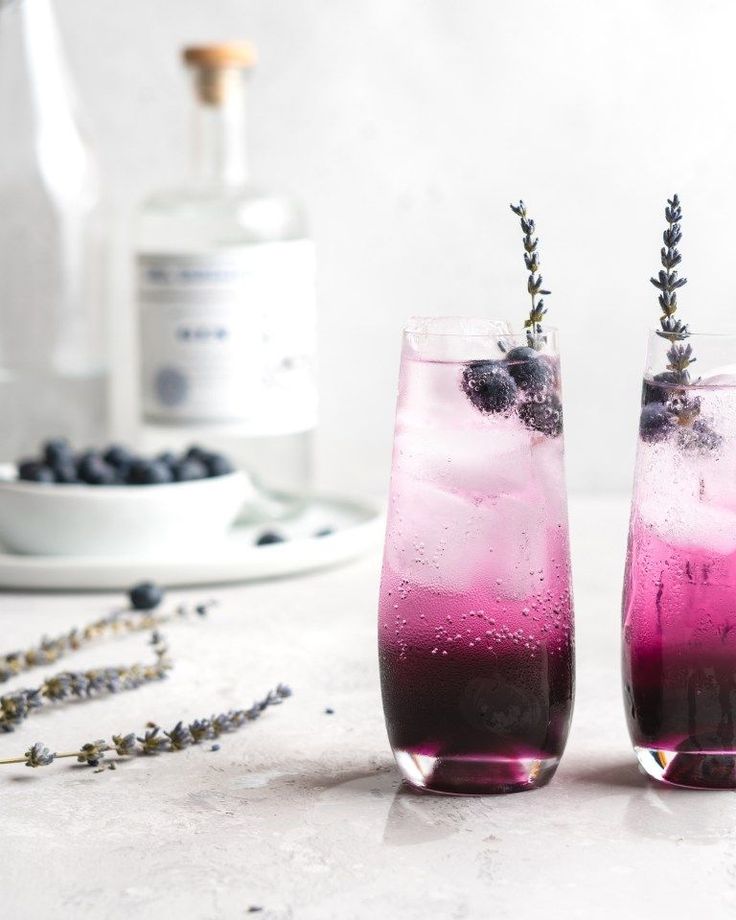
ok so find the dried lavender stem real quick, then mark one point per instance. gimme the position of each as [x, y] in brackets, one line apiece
[533, 324]
[153, 741]
[17, 706]
[56, 757]
[48, 651]
[668, 283]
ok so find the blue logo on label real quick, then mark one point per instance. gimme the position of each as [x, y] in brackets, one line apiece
[172, 386]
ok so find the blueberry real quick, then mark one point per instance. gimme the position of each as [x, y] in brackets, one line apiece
[149, 473]
[169, 458]
[35, 471]
[188, 470]
[118, 455]
[122, 474]
[145, 596]
[88, 456]
[488, 385]
[656, 423]
[196, 453]
[543, 415]
[652, 393]
[699, 436]
[93, 470]
[66, 471]
[139, 473]
[268, 537]
[324, 532]
[57, 450]
[218, 465]
[159, 473]
[530, 370]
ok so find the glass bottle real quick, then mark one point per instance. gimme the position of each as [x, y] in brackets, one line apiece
[226, 297]
[52, 345]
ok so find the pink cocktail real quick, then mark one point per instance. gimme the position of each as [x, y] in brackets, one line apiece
[475, 623]
[679, 607]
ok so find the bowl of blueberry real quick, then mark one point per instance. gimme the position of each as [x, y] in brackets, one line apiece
[115, 502]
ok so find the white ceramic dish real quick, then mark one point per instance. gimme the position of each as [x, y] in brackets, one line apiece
[78, 520]
[358, 528]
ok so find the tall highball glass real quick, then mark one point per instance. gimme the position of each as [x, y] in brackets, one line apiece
[476, 620]
[679, 603]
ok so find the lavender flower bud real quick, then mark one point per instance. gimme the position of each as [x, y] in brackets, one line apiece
[38, 756]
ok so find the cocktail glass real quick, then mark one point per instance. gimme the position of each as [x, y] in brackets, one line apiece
[475, 620]
[679, 603]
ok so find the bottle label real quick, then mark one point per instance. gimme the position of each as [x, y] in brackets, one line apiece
[229, 338]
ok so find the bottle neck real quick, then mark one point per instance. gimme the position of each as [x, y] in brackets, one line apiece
[37, 98]
[219, 149]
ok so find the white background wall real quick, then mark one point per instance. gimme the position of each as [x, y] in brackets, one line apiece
[407, 126]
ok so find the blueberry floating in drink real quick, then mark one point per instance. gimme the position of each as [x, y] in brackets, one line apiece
[489, 386]
[531, 371]
[525, 381]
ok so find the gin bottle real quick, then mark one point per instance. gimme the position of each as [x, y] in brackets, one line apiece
[52, 343]
[226, 297]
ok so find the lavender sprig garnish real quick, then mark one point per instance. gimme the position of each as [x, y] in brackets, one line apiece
[533, 324]
[81, 685]
[153, 740]
[670, 409]
[668, 283]
[119, 622]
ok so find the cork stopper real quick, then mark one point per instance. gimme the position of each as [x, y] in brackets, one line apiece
[217, 68]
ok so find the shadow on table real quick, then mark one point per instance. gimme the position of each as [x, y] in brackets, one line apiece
[621, 774]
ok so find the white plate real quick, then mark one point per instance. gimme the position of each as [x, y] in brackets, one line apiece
[358, 528]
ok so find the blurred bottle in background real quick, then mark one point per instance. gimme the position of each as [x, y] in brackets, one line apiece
[52, 342]
[226, 297]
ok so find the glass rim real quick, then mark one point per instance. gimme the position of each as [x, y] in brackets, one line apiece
[412, 328]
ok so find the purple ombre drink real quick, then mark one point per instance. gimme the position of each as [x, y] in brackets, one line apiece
[679, 607]
[475, 624]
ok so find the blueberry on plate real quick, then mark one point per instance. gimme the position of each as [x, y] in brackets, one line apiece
[544, 415]
[269, 537]
[659, 388]
[195, 452]
[93, 470]
[489, 386]
[57, 451]
[145, 596]
[35, 471]
[189, 469]
[66, 471]
[656, 423]
[530, 370]
[149, 473]
[218, 465]
[119, 456]
[169, 458]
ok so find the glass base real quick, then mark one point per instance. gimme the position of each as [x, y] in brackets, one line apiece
[691, 770]
[475, 775]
